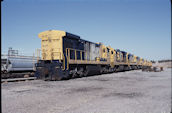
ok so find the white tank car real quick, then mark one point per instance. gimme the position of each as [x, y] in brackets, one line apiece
[17, 63]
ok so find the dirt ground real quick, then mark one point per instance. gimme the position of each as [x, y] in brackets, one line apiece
[123, 92]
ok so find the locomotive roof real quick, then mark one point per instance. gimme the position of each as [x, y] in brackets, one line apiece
[63, 34]
[123, 52]
[72, 36]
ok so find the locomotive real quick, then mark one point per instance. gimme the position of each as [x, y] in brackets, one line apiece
[65, 56]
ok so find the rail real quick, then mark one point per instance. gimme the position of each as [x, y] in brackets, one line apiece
[17, 79]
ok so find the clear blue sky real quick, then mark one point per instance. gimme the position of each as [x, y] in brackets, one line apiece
[141, 27]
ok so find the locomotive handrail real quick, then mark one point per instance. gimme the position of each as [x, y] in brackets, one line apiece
[63, 62]
[81, 57]
[75, 49]
[68, 50]
[68, 55]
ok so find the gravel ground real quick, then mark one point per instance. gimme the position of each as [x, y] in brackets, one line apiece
[123, 92]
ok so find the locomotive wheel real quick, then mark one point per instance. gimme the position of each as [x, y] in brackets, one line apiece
[110, 70]
[114, 69]
[85, 73]
[69, 77]
[59, 78]
[81, 72]
[101, 71]
[104, 70]
[74, 75]
[5, 71]
[2, 72]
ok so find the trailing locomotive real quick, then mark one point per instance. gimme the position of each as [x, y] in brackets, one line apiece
[65, 55]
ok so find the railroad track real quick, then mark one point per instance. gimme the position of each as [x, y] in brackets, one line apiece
[16, 75]
[17, 79]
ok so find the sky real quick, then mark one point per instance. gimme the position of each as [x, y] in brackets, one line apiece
[140, 27]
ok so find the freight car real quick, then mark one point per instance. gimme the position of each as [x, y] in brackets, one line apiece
[10, 64]
[65, 55]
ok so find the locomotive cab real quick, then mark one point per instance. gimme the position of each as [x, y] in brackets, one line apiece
[52, 55]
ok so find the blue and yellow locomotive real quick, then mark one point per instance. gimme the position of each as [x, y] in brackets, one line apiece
[65, 56]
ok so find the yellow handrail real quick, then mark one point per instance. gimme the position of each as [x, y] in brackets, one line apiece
[75, 55]
[81, 55]
[63, 62]
[76, 50]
